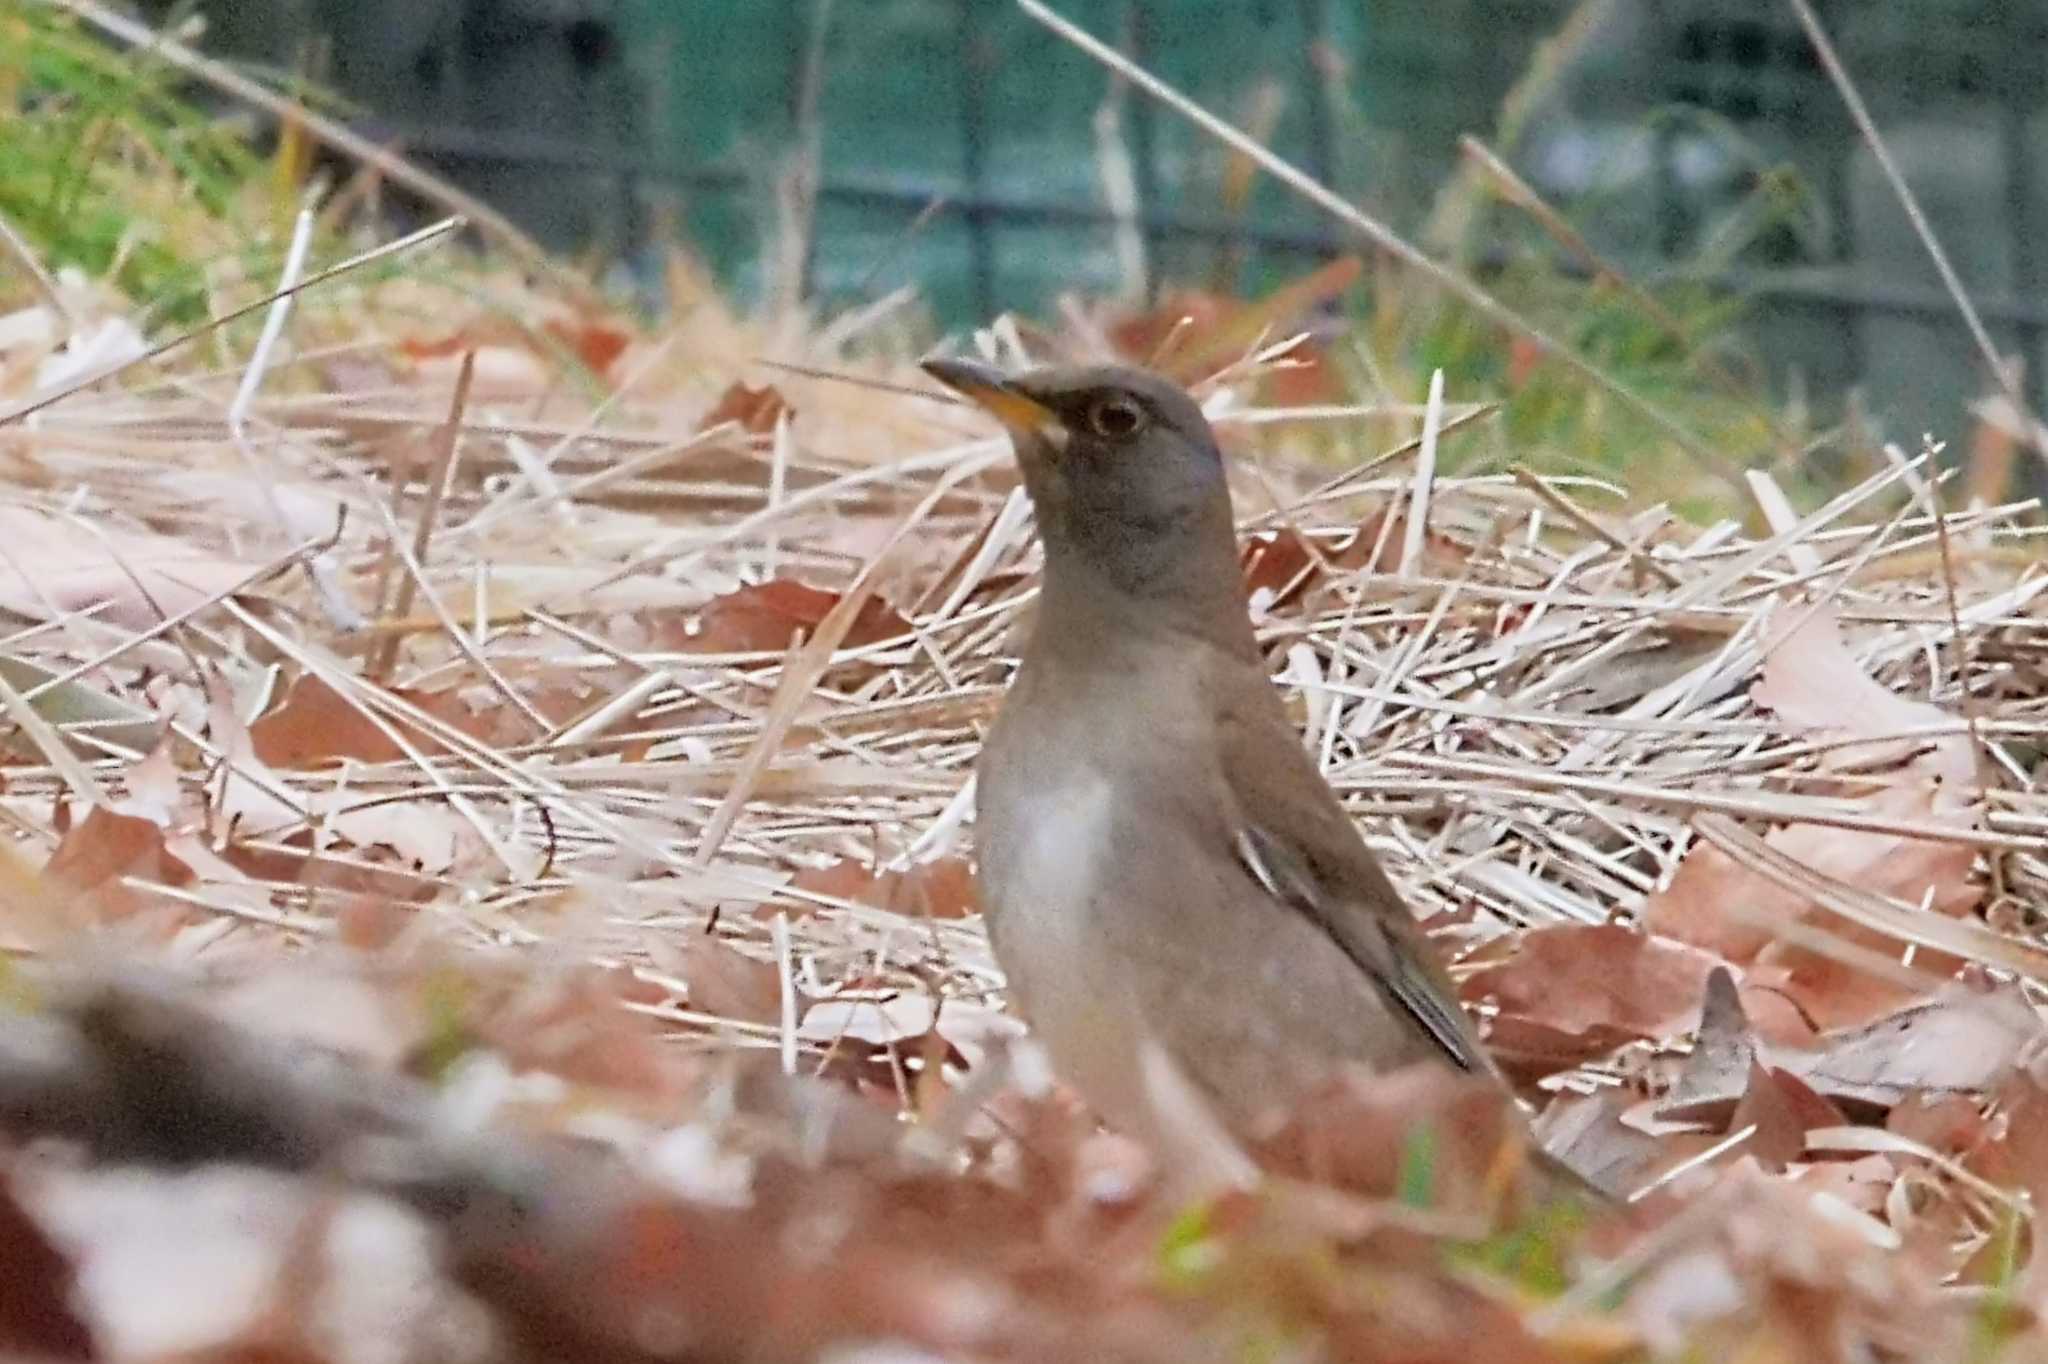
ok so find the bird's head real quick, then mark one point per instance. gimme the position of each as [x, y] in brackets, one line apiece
[1122, 469]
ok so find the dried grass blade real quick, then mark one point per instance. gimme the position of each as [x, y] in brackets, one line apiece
[1960, 937]
[808, 663]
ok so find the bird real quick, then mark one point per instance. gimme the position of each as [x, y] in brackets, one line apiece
[1186, 917]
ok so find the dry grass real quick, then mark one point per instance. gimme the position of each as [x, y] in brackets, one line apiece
[1529, 720]
[447, 610]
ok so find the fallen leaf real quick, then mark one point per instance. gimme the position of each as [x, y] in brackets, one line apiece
[766, 617]
[314, 724]
[1384, 530]
[1812, 683]
[1966, 1041]
[1282, 563]
[102, 849]
[1832, 993]
[1308, 378]
[1586, 1133]
[1182, 314]
[1596, 986]
[508, 365]
[1529, 1051]
[1278, 563]
[727, 983]
[436, 348]
[596, 345]
[259, 802]
[1782, 1109]
[1723, 1055]
[755, 409]
[1209, 331]
[1693, 908]
[942, 888]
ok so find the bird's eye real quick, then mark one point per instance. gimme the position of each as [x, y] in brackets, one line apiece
[1115, 418]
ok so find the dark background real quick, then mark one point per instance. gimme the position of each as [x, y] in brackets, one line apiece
[958, 145]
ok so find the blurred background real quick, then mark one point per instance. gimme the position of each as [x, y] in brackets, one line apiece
[856, 146]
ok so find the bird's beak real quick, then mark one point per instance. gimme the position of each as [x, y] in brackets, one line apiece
[995, 392]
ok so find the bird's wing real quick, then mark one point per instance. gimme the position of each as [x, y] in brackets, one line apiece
[1295, 840]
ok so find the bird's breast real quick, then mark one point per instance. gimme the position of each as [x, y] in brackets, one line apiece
[1045, 847]
[1068, 770]
[1041, 844]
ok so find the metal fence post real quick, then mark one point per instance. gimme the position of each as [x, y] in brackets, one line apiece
[973, 69]
[1145, 145]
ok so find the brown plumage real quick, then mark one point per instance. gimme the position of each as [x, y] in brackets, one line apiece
[1185, 914]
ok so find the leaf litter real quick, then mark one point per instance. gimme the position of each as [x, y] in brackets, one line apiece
[608, 963]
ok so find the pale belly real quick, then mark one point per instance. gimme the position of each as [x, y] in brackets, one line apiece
[1047, 856]
[1044, 927]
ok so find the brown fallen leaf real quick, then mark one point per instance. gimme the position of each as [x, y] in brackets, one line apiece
[1376, 545]
[258, 801]
[314, 724]
[1596, 1135]
[156, 833]
[1599, 984]
[1202, 332]
[1694, 907]
[597, 344]
[1723, 1054]
[105, 847]
[939, 889]
[1530, 1051]
[728, 983]
[1283, 564]
[766, 617]
[1967, 1041]
[1278, 563]
[1831, 993]
[1782, 1109]
[755, 409]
